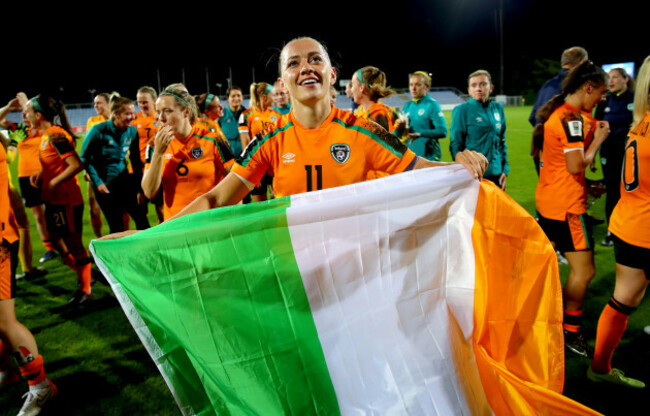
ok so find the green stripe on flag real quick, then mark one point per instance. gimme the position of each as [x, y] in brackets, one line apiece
[234, 336]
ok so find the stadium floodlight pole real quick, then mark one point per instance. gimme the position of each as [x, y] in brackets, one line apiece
[207, 79]
[501, 45]
[158, 79]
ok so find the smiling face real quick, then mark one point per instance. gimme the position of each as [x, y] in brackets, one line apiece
[29, 115]
[356, 89]
[306, 71]
[215, 110]
[101, 106]
[124, 117]
[146, 103]
[235, 99]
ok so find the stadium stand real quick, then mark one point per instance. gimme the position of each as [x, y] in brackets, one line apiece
[448, 98]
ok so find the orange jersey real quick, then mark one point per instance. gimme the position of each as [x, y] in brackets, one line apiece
[208, 125]
[191, 168]
[95, 120]
[630, 220]
[340, 152]
[8, 224]
[384, 116]
[28, 160]
[377, 113]
[56, 146]
[558, 191]
[147, 128]
[253, 121]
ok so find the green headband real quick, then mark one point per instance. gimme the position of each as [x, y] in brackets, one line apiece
[208, 101]
[37, 106]
[175, 96]
[269, 89]
[360, 76]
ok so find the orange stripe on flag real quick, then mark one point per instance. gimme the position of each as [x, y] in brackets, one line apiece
[518, 339]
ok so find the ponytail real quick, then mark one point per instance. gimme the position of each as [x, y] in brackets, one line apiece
[53, 111]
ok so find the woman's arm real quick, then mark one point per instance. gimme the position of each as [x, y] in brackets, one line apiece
[577, 161]
[152, 178]
[229, 191]
[73, 167]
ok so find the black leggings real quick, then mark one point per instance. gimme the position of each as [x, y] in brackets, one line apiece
[122, 199]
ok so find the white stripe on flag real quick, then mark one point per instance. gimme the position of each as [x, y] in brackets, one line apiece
[389, 272]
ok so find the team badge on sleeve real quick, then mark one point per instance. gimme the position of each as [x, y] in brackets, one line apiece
[197, 152]
[573, 127]
[340, 152]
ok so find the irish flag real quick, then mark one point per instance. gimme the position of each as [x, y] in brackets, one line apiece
[424, 293]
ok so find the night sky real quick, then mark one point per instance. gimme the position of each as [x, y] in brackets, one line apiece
[124, 47]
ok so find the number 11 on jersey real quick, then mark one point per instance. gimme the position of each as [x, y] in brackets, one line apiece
[319, 177]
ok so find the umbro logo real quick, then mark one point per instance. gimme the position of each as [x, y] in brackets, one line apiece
[288, 158]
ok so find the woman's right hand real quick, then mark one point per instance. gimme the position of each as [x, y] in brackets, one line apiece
[164, 137]
[103, 189]
[35, 180]
[602, 129]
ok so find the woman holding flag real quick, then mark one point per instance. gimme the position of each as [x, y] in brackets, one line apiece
[325, 146]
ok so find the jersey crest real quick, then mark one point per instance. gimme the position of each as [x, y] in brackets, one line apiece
[197, 152]
[340, 152]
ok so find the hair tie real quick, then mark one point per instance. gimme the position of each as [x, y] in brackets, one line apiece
[208, 100]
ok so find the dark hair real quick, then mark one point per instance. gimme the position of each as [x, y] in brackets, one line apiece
[230, 89]
[322, 45]
[576, 78]
[53, 111]
[118, 103]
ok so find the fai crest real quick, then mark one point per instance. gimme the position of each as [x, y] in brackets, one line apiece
[340, 152]
[197, 152]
